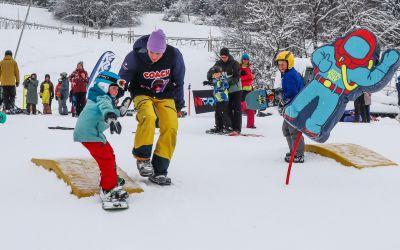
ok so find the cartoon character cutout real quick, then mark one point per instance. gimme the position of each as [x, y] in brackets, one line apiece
[342, 72]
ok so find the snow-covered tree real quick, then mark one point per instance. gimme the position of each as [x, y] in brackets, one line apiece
[177, 11]
[98, 14]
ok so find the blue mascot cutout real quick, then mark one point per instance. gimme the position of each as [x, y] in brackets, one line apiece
[342, 72]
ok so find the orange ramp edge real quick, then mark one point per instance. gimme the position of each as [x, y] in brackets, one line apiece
[82, 175]
[350, 154]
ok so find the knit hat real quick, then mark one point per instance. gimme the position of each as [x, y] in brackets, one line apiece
[8, 53]
[245, 56]
[224, 52]
[157, 42]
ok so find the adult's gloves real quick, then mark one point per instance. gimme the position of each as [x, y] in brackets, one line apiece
[111, 119]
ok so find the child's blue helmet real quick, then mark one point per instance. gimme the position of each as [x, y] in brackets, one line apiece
[105, 79]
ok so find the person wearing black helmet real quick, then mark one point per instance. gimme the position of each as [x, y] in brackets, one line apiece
[231, 68]
[9, 80]
[220, 84]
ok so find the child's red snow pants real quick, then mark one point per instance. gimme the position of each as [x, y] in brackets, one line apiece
[105, 158]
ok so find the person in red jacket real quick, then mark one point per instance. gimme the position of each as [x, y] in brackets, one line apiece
[79, 80]
[247, 76]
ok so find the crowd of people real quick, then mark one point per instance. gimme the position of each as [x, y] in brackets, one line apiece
[72, 88]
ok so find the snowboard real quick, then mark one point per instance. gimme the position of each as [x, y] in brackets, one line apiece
[260, 99]
[3, 117]
[104, 63]
[247, 135]
[115, 205]
[241, 134]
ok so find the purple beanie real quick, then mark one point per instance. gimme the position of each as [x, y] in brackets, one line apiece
[157, 42]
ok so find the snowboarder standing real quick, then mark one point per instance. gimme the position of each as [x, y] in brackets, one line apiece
[232, 69]
[155, 72]
[31, 84]
[99, 114]
[9, 80]
[221, 96]
[291, 86]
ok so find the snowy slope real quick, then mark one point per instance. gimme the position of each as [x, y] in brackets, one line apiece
[150, 22]
[228, 192]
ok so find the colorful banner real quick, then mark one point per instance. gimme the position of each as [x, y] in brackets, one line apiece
[203, 101]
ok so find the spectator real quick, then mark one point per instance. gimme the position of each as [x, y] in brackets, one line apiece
[79, 80]
[367, 102]
[47, 94]
[247, 76]
[9, 80]
[64, 93]
[231, 68]
[58, 95]
[31, 84]
[359, 109]
[221, 96]
[398, 90]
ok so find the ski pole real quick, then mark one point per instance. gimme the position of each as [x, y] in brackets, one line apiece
[292, 157]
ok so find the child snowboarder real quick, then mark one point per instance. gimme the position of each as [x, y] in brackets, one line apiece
[99, 114]
[47, 94]
[221, 96]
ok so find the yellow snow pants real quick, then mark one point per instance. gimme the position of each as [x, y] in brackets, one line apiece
[148, 110]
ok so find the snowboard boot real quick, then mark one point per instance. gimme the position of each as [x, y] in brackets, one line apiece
[225, 131]
[234, 133]
[287, 157]
[161, 180]
[214, 131]
[115, 194]
[145, 168]
[298, 159]
[120, 180]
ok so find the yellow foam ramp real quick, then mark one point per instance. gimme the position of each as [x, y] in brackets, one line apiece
[83, 175]
[350, 154]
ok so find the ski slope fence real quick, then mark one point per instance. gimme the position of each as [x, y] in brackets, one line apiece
[130, 36]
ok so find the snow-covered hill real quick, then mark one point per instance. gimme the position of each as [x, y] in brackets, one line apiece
[150, 22]
[227, 192]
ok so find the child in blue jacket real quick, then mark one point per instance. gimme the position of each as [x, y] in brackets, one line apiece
[221, 96]
[99, 114]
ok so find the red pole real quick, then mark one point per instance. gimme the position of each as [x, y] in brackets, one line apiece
[292, 157]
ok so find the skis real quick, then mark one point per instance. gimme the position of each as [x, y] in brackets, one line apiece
[115, 205]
